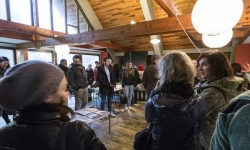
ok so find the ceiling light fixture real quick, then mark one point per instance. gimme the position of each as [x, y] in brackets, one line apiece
[62, 49]
[132, 22]
[155, 41]
[212, 17]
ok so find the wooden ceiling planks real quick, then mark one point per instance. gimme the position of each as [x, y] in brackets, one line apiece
[113, 13]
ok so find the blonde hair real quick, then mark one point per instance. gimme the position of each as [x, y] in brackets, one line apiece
[176, 67]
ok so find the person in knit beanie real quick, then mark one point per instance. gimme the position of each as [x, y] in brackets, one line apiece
[37, 92]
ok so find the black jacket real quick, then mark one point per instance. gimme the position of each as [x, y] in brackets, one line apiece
[64, 69]
[173, 111]
[104, 84]
[76, 77]
[150, 78]
[90, 76]
[38, 128]
[130, 79]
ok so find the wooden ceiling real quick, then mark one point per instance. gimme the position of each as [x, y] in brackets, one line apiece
[115, 17]
[120, 12]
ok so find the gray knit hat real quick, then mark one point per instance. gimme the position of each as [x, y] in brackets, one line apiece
[29, 84]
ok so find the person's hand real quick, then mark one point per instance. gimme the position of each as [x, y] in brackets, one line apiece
[247, 68]
[112, 85]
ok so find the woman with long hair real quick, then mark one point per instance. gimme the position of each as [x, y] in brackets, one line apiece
[173, 111]
[218, 86]
[129, 82]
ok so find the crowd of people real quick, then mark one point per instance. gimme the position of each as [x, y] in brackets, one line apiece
[187, 108]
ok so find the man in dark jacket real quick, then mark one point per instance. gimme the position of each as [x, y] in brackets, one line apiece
[1, 67]
[106, 79]
[90, 74]
[42, 120]
[64, 66]
[150, 78]
[77, 79]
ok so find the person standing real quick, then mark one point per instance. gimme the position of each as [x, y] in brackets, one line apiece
[129, 82]
[217, 88]
[140, 86]
[96, 70]
[64, 66]
[4, 65]
[77, 79]
[42, 120]
[150, 76]
[106, 79]
[174, 112]
[90, 74]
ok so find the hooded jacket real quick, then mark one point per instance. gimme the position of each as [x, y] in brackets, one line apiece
[232, 126]
[174, 110]
[217, 94]
[38, 128]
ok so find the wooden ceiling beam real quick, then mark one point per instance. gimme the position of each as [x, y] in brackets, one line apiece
[153, 27]
[14, 35]
[110, 45]
[169, 7]
[27, 29]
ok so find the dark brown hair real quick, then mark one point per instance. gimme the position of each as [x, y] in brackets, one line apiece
[220, 66]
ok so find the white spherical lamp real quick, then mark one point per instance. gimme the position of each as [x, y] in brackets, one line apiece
[62, 49]
[213, 17]
[217, 41]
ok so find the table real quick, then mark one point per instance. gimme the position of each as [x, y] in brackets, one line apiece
[95, 94]
[90, 115]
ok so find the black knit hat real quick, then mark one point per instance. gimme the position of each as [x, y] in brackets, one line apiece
[29, 84]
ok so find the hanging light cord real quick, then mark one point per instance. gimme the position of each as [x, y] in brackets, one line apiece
[187, 34]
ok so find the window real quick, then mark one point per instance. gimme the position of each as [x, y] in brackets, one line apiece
[20, 11]
[3, 14]
[59, 15]
[83, 25]
[72, 30]
[71, 13]
[44, 56]
[9, 54]
[89, 59]
[44, 13]
[68, 57]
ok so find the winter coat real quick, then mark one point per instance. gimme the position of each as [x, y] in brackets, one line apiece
[217, 94]
[104, 84]
[232, 126]
[90, 76]
[174, 110]
[140, 85]
[64, 69]
[38, 128]
[150, 78]
[77, 77]
[130, 79]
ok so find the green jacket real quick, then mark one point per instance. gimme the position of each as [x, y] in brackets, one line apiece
[77, 77]
[232, 126]
[217, 94]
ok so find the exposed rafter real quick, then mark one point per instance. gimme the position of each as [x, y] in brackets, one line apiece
[169, 7]
[154, 27]
[27, 29]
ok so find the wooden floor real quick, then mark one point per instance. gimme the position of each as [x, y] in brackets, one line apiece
[123, 128]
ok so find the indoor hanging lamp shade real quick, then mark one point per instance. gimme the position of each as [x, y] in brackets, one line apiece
[212, 17]
[62, 49]
[217, 41]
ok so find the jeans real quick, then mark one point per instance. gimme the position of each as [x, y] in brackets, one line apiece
[81, 98]
[109, 99]
[129, 89]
